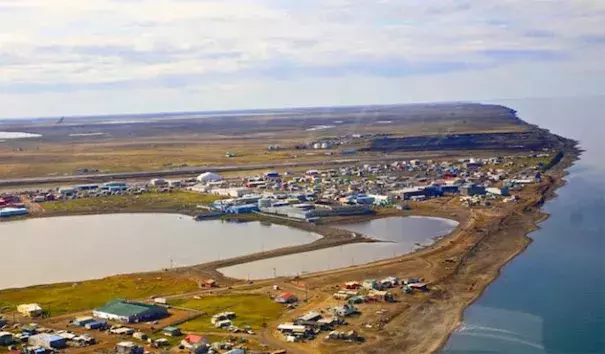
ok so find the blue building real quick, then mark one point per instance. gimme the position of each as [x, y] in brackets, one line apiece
[6, 212]
[47, 341]
[243, 209]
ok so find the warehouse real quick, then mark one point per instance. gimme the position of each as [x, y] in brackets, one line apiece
[6, 212]
[209, 177]
[129, 311]
[47, 341]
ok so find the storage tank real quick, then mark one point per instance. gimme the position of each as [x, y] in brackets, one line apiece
[317, 146]
[325, 145]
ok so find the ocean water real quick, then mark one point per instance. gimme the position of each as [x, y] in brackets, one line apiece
[551, 298]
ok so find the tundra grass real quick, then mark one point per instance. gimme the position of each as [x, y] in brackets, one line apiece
[255, 311]
[64, 298]
[179, 200]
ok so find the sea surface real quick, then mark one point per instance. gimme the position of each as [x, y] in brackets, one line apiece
[551, 298]
[74, 248]
[402, 235]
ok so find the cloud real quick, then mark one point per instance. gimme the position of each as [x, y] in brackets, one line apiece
[73, 45]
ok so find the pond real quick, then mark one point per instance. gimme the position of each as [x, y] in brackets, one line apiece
[402, 235]
[74, 248]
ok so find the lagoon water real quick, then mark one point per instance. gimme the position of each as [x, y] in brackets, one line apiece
[551, 298]
[403, 235]
[74, 248]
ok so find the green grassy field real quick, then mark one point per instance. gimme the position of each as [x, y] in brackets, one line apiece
[59, 299]
[251, 310]
[180, 200]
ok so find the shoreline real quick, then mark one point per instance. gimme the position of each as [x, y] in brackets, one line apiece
[504, 236]
[539, 217]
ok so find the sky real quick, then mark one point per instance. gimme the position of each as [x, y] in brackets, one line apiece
[76, 57]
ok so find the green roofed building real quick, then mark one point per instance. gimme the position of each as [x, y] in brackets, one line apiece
[129, 311]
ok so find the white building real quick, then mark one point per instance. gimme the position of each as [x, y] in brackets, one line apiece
[30, 310]
[209, 177]
[235, 192]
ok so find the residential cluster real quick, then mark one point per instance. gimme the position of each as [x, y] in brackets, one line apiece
[349, 297]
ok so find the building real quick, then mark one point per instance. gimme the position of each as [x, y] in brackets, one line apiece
[243, 209]
[370, 284]
[498, 191]
[7, 212]
[344, 310]
[30, 310]
[159, 182]
[235, 192]
[193, 340]
[472, 189]
[172, 331]
[408, 193]
[129, 348]
[47, 341]
[83, 321]
[6, 338]
[286, 298]
[209, 177]
[129, 311]
[199, 188]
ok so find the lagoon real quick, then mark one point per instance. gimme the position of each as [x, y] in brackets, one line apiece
[75, 248]
[401, 235]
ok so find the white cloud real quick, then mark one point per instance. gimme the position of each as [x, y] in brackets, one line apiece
[99, 47]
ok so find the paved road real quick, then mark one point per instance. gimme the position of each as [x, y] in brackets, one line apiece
[197, 170]
[181, 171]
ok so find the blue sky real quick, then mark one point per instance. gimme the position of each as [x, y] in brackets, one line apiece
[73, 57]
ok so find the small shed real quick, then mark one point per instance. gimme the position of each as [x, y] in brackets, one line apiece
[6, 338]
[30, 310]
[286, 298]
[171, 331]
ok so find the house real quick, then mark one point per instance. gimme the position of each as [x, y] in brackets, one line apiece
[341, 295]
[47, 341]
[171, 331]
[497, 191]
[286, 298]
[122, 331]
[291, 328]
[389, 282]
[139, 336]
[30, 310]
[344, 310]
[130, 311]
[193, 340]
[356, 300]
[222, 323]
[159, 182]
[83, 321]
[377, 295]
[310, 316]
[6, 338]
[419, 286]
[96, 325]
[222, 316]
[352, 285]
[370, 284]
[129, 348]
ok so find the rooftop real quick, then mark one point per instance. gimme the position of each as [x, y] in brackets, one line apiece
[125, 308]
